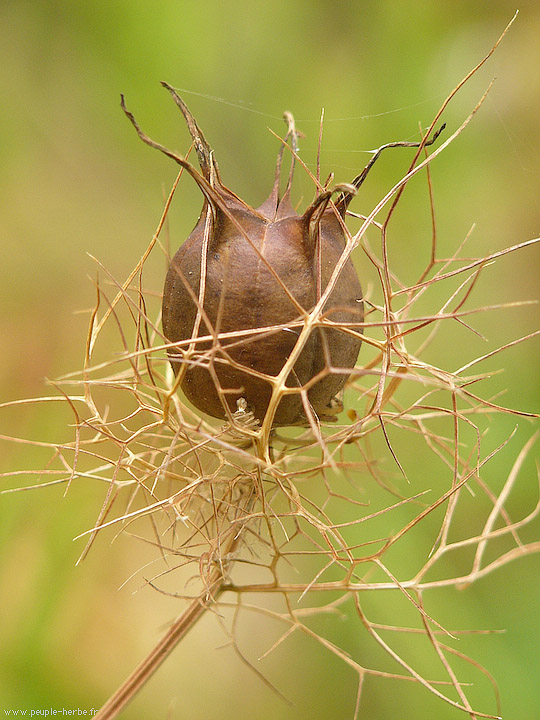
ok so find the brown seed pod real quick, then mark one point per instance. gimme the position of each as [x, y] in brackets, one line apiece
[246, 280]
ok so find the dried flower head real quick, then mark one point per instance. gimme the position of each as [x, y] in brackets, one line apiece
[214, 497]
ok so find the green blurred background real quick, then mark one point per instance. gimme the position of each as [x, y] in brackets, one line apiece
[75, 180]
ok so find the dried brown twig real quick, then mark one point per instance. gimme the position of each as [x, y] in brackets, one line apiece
[211, 496]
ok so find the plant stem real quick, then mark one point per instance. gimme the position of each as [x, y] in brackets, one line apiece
[144, 671]
[215, 584]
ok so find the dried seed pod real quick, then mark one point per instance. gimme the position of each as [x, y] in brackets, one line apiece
[246, 279]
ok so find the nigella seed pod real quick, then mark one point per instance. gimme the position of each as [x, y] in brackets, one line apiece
[239, 290]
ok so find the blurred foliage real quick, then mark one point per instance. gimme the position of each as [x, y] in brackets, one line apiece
[75, 181]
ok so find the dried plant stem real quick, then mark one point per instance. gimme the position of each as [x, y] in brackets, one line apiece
[133, 684]
[216, 583]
